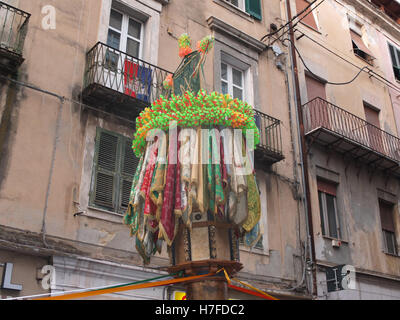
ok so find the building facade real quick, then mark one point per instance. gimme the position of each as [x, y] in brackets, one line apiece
[348, 101]
[74, 76]
[69, 99]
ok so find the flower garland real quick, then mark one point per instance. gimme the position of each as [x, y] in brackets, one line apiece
[185, 43]
[192, 110]
[206, 44]
[168, 83]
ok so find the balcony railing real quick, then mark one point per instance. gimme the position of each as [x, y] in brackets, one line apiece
[113, 77]
[13, 29]
[269, 150]
[350, 133]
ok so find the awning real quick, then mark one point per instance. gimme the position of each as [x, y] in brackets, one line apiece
[360, 43]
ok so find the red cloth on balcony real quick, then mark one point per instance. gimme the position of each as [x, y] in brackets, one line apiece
[137, 80]
[130, 73]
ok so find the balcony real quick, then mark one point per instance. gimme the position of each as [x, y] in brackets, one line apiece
[118, 83]
[353, 137]
[13, 29]
[269, 150]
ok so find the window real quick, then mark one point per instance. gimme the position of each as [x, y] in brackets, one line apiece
[124, 34]
[374, 132]
[309, 19]
[232, 81]
[113, 171]
[318, 111]
[236, 73]
[252, 7]
[315, 88]
[330, 224]
[388, 231]
[237, 3]
[359, 47]
[395, 55]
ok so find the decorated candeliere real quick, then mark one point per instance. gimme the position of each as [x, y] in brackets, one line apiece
[195, 186]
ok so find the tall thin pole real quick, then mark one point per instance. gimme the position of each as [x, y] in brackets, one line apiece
[303, 149]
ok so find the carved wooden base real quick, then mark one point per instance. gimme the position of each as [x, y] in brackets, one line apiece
[210, 288]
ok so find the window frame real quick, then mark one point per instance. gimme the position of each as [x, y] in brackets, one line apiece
[356, 33]
[245, 8]
[233, 51]
[124, 32]
[394, 242]
[229, 80]
[324, 215]
[396, 52]
[241, 4]
[118, 176]
[359, 52]
[385, 231]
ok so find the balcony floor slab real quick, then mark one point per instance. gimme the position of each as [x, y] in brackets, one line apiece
[355, 150]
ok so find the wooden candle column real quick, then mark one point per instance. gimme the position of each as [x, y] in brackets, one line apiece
[207, 248]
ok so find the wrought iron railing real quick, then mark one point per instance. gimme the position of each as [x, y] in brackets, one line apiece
[270, 133]
[13, 28]
[117, 70]
[319, 113]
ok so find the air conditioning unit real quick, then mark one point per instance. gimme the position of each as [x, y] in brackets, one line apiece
[336, 243]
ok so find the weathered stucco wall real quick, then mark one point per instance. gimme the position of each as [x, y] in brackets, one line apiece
[363, 243]
[359, 186]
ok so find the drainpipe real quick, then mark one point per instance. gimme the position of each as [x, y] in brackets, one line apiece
[303, 155]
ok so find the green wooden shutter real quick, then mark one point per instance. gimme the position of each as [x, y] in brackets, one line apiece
[253, 7]
[105, 169]
[129, 163]
[395, 55]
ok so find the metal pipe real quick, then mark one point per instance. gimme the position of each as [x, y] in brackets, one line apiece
[53, 160]
[302, 149]
[296, 186]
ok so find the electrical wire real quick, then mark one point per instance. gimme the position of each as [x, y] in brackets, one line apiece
[313, 74]
[286, 24]
[366, 69]
[297, 22]
[63, 98]
[370, 72]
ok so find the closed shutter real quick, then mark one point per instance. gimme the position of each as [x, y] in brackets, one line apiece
[318, 109]
[105, 170]
[129, 165]
[372, 116]
[374, 133]
[253, 7]
[315, 88]
[309, 19]
[114, 168]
